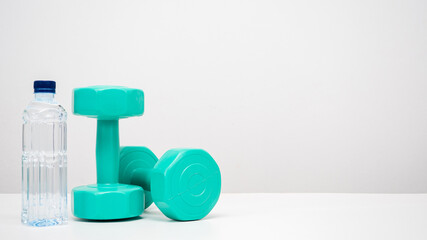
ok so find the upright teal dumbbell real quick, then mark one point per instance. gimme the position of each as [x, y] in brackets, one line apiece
[185, 184]
[108, 199]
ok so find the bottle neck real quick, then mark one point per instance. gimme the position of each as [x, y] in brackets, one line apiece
[44, 97]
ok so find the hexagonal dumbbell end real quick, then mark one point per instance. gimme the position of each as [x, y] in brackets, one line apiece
[185, 184]
[107, 201]
[136, 165]
[108, 102]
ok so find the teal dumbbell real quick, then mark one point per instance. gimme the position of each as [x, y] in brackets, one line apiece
[108, 199]
[185, 184]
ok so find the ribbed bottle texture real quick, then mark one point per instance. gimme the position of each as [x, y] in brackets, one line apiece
[44, 162]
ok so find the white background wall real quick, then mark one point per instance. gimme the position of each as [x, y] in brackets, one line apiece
[288, 96]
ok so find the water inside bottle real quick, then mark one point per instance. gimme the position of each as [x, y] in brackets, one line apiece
[44, 163]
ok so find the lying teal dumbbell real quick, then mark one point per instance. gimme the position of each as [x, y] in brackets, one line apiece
[185, 184]
[107, 199]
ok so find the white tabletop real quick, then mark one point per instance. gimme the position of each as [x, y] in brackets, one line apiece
[255, 216]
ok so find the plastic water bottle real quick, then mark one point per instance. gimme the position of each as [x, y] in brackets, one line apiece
[44, 159]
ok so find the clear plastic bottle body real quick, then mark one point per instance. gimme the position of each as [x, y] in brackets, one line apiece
[44, 162]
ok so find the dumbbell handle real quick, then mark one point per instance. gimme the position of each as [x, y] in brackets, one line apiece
[142, 177]
[107, 151]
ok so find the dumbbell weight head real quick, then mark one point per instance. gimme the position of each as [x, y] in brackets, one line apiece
[136, 165]
[108, 102]
[185, 184]
[107, 199]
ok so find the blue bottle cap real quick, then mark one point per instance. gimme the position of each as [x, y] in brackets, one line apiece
[44, 86]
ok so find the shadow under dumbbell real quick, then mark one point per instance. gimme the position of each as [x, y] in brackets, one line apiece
[114, 220]
[158, 216]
